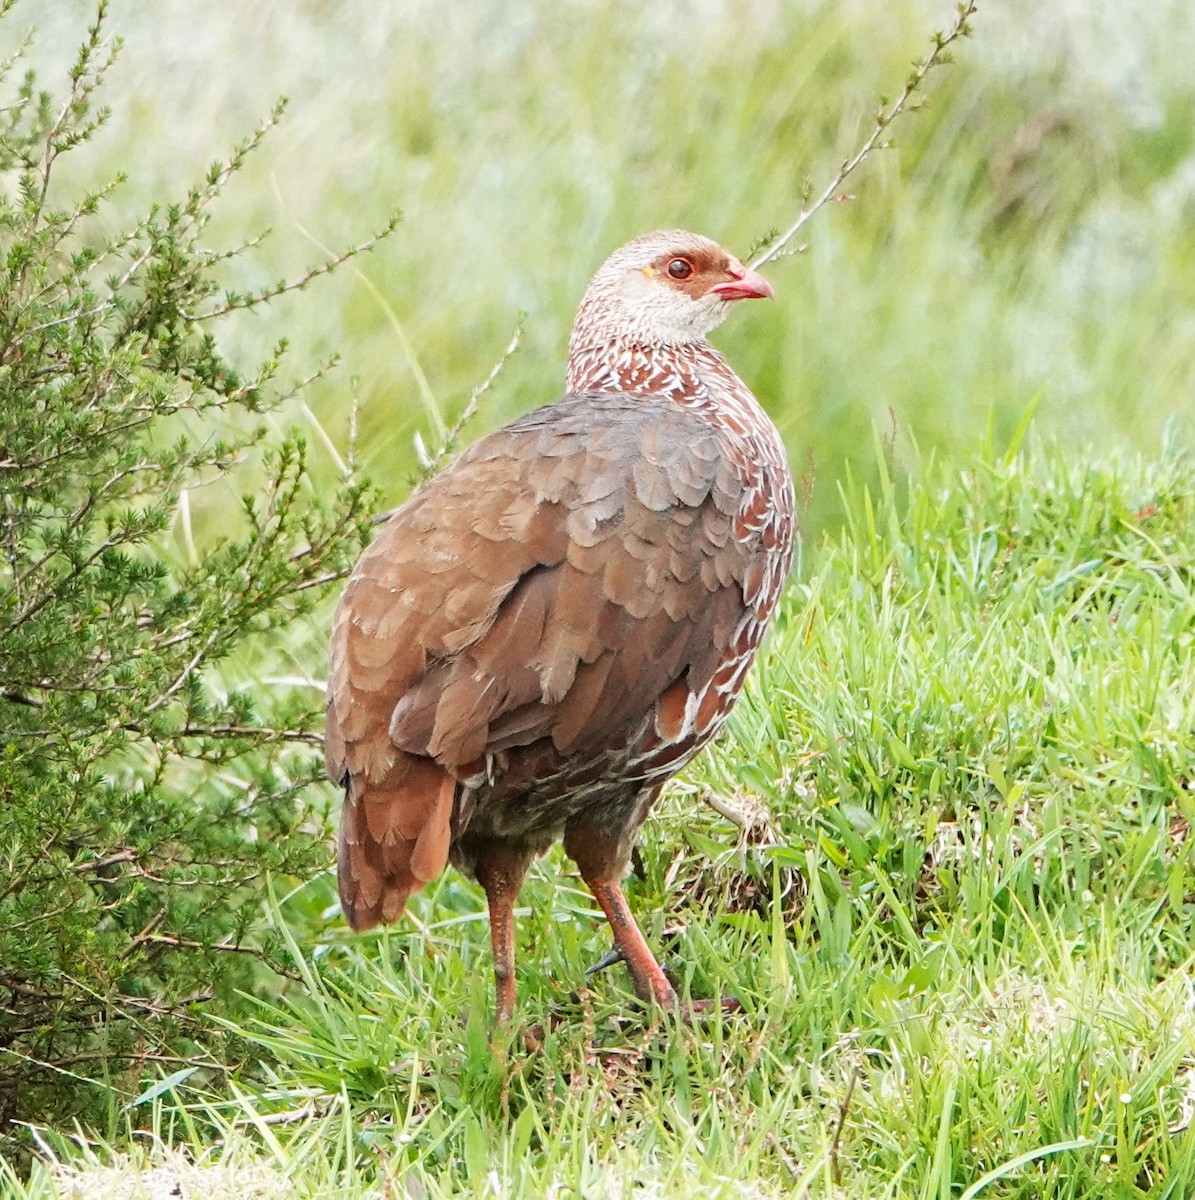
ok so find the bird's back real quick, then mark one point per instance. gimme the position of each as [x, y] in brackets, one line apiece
[560, 618]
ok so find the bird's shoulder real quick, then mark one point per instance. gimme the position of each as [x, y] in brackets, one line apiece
[586, 470]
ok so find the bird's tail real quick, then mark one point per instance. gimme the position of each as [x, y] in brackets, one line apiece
[394, 838]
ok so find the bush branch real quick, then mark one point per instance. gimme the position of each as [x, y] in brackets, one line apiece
[937, 56]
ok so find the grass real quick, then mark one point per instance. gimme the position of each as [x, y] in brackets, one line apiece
[963, 951]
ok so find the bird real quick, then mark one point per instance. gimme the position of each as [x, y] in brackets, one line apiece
[558, 621]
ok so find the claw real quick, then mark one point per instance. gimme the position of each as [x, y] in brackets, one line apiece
[612, 956]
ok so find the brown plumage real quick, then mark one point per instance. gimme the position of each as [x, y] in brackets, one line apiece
[563, 617]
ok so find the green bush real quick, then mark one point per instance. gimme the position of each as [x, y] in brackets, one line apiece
[143, 807]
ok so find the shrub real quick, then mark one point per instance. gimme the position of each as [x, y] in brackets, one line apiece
[142, 810]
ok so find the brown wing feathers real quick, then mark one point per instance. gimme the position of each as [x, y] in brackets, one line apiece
[542, 587]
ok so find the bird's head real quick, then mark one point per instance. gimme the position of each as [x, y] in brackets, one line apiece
[665, 288]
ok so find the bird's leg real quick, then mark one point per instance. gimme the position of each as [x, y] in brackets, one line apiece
[650, 981]
[601, 858]
[500, 870]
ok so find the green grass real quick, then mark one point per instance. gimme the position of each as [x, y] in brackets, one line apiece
[964, 952]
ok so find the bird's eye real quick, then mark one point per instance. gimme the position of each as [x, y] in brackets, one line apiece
[680, 268]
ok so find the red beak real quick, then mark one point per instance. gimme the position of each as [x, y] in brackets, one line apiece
[746, 285]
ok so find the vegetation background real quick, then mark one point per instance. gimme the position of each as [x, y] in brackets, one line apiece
[1024, 253]
[1027, 242]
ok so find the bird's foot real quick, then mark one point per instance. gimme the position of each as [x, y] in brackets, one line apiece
[671, 1001]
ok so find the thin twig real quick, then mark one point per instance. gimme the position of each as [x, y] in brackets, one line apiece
[431, 462]
[100, 864]
[295, 1116]
[471, 405]
[187, 671]
[258, 732]
[234, 302]
[180, 943]
[884, 118]
[790, 1164]
[835, 1169]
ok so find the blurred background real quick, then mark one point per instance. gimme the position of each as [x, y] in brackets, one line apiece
[1028, 244]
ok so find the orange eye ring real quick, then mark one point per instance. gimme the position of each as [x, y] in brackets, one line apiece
[680, 268]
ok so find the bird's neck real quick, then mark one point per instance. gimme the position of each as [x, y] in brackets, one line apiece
[686, 372]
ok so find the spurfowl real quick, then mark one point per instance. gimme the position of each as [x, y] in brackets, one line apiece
[558, 621]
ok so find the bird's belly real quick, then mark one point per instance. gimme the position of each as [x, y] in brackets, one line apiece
[523, 804]
[534, 793]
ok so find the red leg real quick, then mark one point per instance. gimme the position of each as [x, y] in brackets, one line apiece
[500, 872]
[601, 856]
[650, 981]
